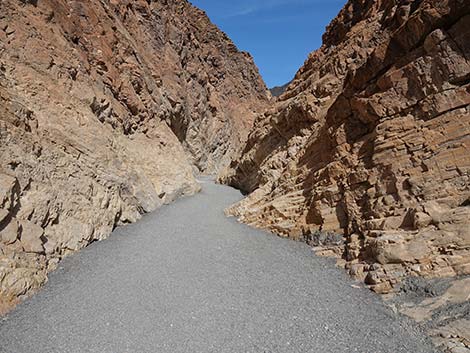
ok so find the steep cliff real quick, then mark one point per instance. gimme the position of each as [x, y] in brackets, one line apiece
[107, 108]
[367, 154]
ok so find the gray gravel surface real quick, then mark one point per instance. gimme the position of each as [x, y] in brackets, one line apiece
[188, 279]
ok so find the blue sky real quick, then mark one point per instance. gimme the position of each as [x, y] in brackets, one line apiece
[278, 33]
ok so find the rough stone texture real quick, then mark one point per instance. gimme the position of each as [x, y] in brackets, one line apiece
[175, 284]
[105, 108]
[372, 141]
[441, 307]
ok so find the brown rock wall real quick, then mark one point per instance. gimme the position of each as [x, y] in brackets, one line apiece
[107, 109]
[372, 141]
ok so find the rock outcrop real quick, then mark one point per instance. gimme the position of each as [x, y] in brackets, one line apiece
[367, 154]
[107, 109]
[278, 90]
[366, 157]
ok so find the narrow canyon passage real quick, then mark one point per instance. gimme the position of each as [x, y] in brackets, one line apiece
[188, 279]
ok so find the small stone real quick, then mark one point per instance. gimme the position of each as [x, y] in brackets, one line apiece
[382, 288]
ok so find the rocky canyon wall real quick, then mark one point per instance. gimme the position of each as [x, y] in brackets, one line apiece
[367, 154]
[107, 108]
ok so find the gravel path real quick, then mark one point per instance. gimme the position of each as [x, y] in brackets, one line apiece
[188, 279]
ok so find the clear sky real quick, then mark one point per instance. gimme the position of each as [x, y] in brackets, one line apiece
[278, 33]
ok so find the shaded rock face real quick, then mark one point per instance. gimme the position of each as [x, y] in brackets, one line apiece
[107, 108]
[372, 141]
[220, 87]
[278, 90]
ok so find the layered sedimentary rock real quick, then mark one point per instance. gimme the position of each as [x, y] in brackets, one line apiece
[107, 108]
[367, 154]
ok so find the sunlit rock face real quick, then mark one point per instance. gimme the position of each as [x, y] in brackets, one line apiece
[107, 109]
[372, 141]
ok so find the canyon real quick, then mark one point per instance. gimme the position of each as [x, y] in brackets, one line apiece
[108, 110]
[111, 109]
[154, 286]
[366, 156]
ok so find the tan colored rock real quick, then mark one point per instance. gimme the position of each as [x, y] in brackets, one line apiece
[378, 124]
[8, 191]
[371, 140]
[395, 248]
[31, 237]
[107, 111]
[10, 233]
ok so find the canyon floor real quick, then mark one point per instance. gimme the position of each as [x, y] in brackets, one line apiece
[189, 279]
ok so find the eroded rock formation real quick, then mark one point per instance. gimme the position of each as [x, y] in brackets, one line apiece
[366, 157]
[106, 110]
[371, 142]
